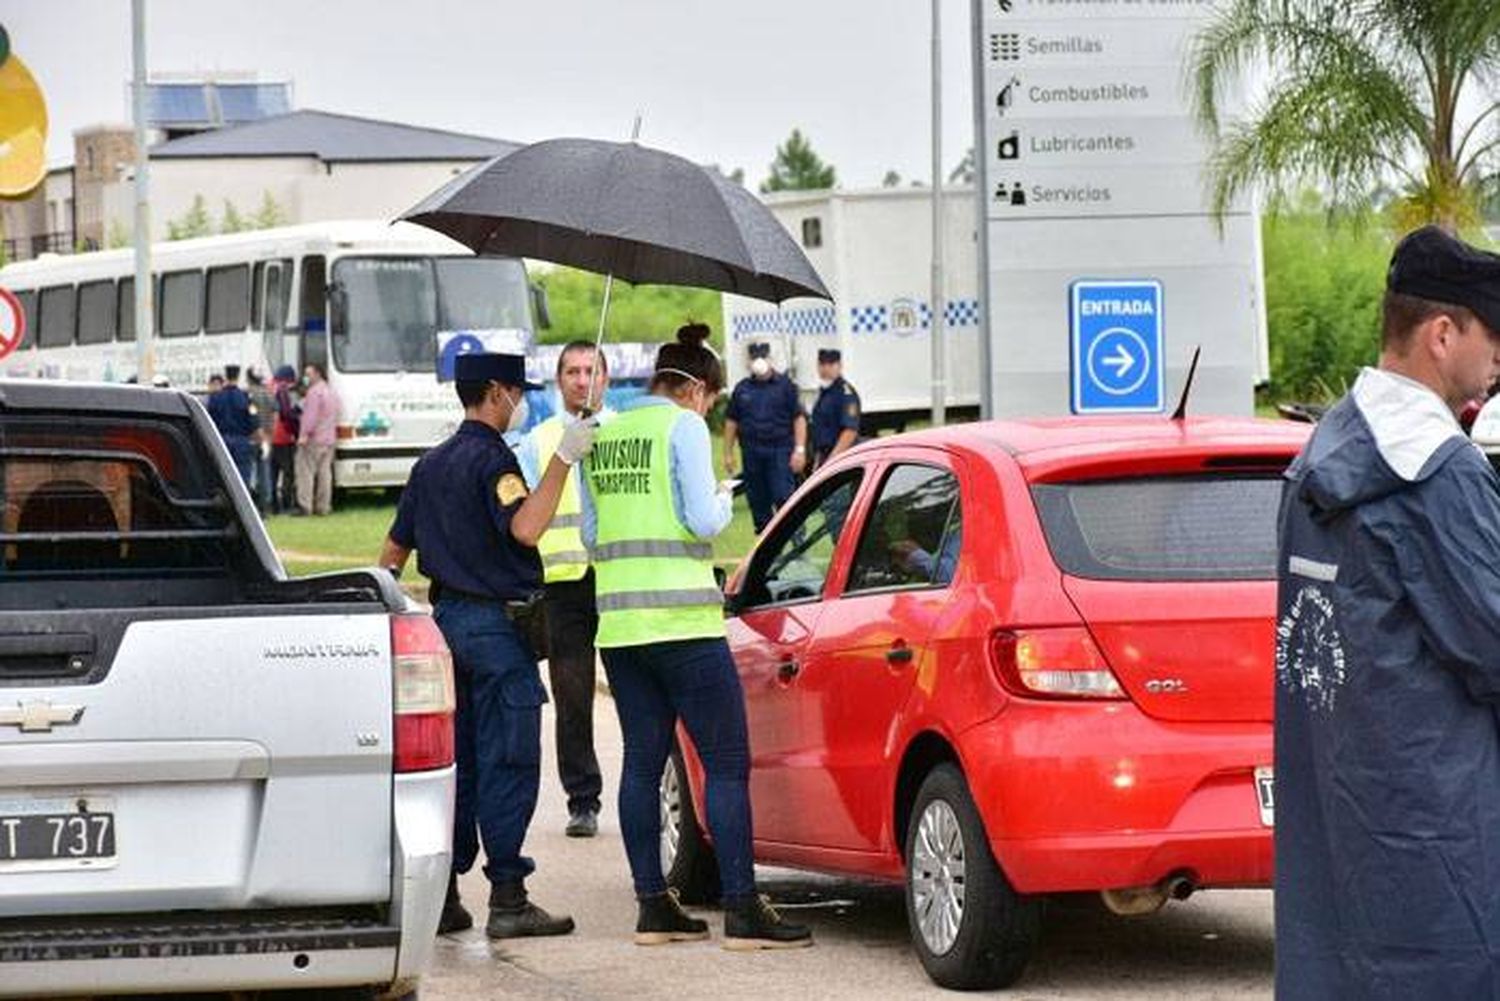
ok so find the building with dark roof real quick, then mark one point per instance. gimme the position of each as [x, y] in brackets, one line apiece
[300, 166]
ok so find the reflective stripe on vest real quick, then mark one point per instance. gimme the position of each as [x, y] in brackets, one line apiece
[653, 579]
[643, 548]
[564, 556]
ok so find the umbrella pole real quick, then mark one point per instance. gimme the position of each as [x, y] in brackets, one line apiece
[609, 280]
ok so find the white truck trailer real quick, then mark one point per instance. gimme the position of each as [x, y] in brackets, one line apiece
[873, 249]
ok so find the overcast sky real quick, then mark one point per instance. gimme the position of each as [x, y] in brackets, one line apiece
[716, 81]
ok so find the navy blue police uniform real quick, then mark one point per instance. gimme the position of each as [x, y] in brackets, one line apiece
[456, 512]
[765, 410]
[836, 411]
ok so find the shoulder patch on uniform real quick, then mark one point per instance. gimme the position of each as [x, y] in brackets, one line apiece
[852, 408]
[509, 489]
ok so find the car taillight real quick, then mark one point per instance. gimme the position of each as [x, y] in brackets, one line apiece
[1060, 663]
[424, 694]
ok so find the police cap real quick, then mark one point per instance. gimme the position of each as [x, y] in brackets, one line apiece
[1432, 265]
[829, 356]
[760, 349]
[486, 366]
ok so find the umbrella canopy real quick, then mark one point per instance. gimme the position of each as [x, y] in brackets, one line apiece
[640, 214]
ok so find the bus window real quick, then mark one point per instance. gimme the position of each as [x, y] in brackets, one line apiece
[126, 299]
[481, 293]
[272, 295]
[59, 316]
[384, 313]
[228, 299]
[96, 312]
[28, 308]
[313, 301]
[181, 303]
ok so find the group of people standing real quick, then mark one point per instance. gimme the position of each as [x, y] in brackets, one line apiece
[610, 516]
[281, 436]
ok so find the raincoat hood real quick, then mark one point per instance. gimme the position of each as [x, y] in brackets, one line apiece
[1390, 432]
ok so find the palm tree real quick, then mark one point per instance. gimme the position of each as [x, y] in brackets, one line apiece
[1360, 94]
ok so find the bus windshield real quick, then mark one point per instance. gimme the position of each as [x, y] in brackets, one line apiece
[390, 309]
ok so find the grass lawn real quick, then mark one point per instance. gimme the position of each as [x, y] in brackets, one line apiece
[353, 534]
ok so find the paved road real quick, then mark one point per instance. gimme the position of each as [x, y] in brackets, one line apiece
[1217, 945]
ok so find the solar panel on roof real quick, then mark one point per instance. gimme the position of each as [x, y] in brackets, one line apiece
[176, 103]
[250, 102]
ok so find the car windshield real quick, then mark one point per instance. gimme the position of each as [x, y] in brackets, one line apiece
[1163, 528]
[389, 309]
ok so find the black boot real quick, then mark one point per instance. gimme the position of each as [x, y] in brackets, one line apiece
[455, 917]
[754, 924]
[662, 920]
[514, 916]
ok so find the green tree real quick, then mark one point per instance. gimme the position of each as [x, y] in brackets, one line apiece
[891, 180]
[269, 215]
[636, 312]
[798, 168]
[117, 236]
[194, 222]
[1359, 93]
[231, 221]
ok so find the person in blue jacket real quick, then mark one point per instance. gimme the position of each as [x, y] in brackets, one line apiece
[1388, 661]
[766, 419]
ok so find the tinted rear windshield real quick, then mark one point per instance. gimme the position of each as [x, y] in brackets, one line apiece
[96, 497]
[1163, 528]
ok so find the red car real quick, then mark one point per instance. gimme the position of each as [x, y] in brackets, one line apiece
[1004, 660]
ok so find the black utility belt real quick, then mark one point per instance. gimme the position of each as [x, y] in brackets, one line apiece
[516, 608]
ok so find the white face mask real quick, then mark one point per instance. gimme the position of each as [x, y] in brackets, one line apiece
[759, 367]
[519, 411]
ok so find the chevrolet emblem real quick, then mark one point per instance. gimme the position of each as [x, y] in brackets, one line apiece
[39, 717]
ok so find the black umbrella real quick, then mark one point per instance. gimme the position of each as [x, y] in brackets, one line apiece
[625, 210]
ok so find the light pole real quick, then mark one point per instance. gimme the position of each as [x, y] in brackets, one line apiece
[145, 339]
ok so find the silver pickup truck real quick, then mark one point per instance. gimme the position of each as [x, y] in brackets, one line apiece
[212, 777]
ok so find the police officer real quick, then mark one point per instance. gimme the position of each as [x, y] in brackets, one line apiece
[467, 512]
[765, 417]
[835, 417]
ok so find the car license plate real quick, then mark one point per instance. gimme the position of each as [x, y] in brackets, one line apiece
[1265, 791]
[53, 832]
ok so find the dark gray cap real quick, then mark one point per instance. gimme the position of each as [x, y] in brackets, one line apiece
[1430, 264]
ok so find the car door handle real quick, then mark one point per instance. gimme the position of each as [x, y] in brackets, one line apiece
[788, 670]
[899, 656]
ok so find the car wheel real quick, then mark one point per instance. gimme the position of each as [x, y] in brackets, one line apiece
[687, 859]
[971, 930]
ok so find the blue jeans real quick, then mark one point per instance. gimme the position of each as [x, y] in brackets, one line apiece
[653, 686]
[243, 454]
[497, 736]
[768, 480]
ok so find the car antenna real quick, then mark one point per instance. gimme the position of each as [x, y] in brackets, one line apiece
[1187, 387]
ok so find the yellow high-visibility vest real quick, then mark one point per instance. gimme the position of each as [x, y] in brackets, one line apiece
[564, 556]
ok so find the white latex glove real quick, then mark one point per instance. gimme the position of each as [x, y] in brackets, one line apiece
[577, 439]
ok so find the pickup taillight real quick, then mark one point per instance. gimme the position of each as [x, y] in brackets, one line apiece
[424, 694]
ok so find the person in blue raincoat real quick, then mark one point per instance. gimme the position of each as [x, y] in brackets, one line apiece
[1388, 661]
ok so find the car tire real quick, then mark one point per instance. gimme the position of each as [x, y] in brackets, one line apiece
[687, 859]
[971, 930]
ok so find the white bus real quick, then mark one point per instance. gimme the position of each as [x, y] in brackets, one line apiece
[372, 303]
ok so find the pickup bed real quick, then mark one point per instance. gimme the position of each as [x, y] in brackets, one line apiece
[212, 777]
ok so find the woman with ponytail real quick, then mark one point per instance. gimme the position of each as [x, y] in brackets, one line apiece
[650, 508]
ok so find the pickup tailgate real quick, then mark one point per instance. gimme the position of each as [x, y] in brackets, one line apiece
[221, 761]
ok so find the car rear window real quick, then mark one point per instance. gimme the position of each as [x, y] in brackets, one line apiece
[1220, 527]
[98, 497]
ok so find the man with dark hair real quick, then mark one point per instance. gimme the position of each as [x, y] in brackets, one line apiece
[229, 407]
[572, 617]
[1387, 772]
[474, 525]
